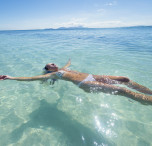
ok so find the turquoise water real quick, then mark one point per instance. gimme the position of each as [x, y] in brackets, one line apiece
[38, 114]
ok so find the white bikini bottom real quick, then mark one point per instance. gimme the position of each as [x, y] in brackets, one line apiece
[88, 78]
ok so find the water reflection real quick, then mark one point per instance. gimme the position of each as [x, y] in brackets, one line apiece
[47, 115]
[106, 127]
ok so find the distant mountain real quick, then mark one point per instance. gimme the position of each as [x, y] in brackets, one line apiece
[77, 27]
[66, 28]
[81, 27]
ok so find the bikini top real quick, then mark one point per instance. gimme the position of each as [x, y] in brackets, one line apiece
[60, 73]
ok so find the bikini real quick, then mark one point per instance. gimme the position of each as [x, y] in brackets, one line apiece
[60, 73]
[88, 78]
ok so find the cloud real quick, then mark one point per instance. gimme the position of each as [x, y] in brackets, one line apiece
[97, 24]
[113, 3]
[106, 24]
[101, 10]
[73, 22]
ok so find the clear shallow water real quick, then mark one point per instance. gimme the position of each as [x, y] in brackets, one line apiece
[32, 113]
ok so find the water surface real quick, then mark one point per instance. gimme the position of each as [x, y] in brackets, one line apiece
[32, 113]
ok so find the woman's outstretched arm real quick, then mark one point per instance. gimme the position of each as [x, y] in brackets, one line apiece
[34, 78]
[67, 65]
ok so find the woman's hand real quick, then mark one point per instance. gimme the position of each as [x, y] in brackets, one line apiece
[4, 77]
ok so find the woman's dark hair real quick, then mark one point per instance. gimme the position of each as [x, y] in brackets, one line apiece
[46, 68]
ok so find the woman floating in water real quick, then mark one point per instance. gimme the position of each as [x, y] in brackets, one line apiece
[90, 83]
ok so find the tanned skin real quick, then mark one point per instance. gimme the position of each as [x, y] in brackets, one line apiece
[103, 83]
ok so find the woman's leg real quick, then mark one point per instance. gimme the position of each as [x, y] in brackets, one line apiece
[138, 87]
[111, 79]
[123, 80]
[115, 90]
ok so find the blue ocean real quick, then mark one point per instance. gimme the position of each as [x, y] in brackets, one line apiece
[39, 114]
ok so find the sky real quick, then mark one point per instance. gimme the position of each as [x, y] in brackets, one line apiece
[41, 14]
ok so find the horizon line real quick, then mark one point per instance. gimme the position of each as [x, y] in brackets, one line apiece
[76, 27]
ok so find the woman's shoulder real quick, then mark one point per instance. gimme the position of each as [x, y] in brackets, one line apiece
[60, 73]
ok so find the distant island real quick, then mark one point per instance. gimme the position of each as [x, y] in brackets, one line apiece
[67, 28]
[82, 27]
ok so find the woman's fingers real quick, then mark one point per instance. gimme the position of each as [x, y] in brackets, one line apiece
[3, 77]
